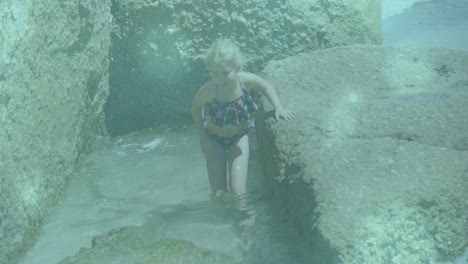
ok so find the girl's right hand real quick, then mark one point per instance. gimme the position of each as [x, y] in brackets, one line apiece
[284, 114]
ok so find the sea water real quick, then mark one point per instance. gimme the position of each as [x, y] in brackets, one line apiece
[156, 178]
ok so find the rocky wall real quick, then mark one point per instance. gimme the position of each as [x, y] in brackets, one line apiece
[374, 168]
[156, 67]
[53, 85]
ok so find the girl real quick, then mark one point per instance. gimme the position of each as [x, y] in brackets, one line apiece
[222, 111]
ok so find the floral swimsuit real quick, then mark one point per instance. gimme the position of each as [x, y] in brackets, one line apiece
[233, 112]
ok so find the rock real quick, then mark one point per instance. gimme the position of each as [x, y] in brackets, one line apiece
[53, 85]
[156, 67]
[374, 166]
[133, 245]
[395, 7]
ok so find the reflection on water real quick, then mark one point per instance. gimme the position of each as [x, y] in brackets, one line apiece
[156, 179]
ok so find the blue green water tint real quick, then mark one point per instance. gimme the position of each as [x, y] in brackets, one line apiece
[156, 178]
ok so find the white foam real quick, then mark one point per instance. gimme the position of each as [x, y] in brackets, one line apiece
[153, 144]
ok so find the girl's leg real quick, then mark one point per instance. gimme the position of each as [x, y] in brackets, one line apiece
[216, 165]
[238, 162]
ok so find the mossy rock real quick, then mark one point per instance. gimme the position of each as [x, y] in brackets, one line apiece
[132, 245]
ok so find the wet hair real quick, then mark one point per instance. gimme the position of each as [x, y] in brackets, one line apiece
[225, 53]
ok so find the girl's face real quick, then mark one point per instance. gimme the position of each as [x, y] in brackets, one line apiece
[223, 75]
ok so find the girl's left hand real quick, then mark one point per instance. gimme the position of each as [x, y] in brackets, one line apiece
[284, 114]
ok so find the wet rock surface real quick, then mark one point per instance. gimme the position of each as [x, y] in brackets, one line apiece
[379, 150]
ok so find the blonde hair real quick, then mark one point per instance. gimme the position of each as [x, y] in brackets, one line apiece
[226, 53]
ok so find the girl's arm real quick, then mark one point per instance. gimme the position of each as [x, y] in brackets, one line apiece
[197, 110]
[257, 83]
[198, 116]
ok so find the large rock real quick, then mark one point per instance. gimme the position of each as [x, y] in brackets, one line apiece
[395, 7]
[136, 245]
[156, 67]
[374, 168]
[53, 85]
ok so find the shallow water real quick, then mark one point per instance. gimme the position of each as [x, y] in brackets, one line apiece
[156, 178]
